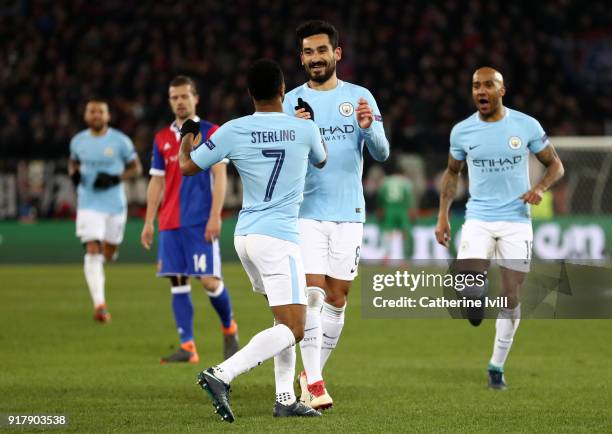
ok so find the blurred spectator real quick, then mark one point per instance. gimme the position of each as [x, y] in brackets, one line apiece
[554, 55]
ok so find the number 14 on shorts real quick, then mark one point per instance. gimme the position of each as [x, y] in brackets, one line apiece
[199, 263]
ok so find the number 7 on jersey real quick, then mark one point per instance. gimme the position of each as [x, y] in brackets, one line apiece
[279, 154]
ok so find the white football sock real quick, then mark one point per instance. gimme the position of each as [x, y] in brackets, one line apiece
[507, 322]
[332, 321]
[310, 346]
[284, 371]
[263, 346]
[94, 275]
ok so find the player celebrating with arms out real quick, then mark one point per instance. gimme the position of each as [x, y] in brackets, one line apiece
[495, 143]
[270, 151]
[333, 211]
[101, 158]
[189, 225]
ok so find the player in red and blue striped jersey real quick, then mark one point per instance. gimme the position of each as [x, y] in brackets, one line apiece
[189, 225]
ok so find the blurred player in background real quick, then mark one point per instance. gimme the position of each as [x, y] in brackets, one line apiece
[189, 225]
[101, 158]
[333, 211]
[270, 151]
[395, 211]
[495, 142]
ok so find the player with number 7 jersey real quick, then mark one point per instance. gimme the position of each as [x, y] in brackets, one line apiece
[271, 152]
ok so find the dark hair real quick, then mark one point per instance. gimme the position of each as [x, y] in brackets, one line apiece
[264, 79]
[316, 27]
[181, 80]
[97, 99]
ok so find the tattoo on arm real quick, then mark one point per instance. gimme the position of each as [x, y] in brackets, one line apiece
[448, 189]
[547, 155]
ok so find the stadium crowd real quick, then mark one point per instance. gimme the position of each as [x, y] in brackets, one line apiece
[418, 63]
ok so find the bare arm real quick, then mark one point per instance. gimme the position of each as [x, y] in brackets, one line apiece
[73, 166]
[155, 191]
[213, 227]
[188, 167]
[448, 190]
[554, 172]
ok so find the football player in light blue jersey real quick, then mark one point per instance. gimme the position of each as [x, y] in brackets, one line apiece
[495, 143]
[100, 159]
[333, 211]
[271, 152]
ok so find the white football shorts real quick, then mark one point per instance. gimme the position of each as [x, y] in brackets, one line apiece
[99, 226]
[331, 248]
[509, 243]
[274, 267]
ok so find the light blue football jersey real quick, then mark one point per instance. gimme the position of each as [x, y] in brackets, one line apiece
[270, 152]
[335, 193]
[497, 156]
[108, 153]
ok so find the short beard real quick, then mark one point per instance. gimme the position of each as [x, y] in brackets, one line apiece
[97, 128]
[329, 71]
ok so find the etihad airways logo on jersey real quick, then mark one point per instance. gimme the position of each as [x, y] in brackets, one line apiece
[337, 132]
[497, 164]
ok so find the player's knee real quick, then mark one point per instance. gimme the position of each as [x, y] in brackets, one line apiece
[336, 299]
[93, 247]
[298, 332]
[211, 284]
[111, 255]
[512, 300]
[296, 324]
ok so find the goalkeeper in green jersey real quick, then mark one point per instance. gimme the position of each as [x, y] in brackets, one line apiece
[395, 204]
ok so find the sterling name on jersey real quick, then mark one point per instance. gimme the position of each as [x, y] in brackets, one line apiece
[497, 155]
[335, 193]
[187, 200]
[270, 152]
[108, 153]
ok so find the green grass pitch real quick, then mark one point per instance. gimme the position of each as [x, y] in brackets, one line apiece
[385, 375]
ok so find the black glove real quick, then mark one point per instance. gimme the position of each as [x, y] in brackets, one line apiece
[303, 104]
[190, 126]
[105, 180]
[76, 177]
